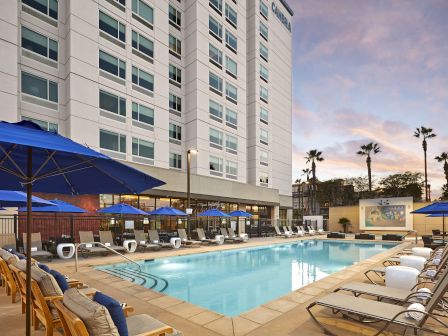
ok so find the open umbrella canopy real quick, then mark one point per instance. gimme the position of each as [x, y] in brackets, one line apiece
[240, 213]
[59, 206]
[10, 198]
[213, 213]
[434, 208]
[167, 211]
[62, 165]
[122, 209]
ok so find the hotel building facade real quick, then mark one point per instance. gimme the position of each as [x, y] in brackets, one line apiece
[144, 81]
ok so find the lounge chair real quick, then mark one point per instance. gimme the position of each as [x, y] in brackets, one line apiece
[365, 236]
[154, 239]
[88, 244]
[337, 235]
[8, 241]
[81, 322]
[203, 238]
[242, 236]
[37, 252]
[9, 281]
[299, 232]
[142, 240]
[365, 310]
[107, 240]
[184, 238]
[280, 234]
[228, 238]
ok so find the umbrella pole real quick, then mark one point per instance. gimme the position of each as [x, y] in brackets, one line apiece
[443, 227]
[29, 191]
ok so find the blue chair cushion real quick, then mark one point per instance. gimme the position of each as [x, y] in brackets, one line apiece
[60, 279]
[115, 311]
[44, 267]
[18, 254]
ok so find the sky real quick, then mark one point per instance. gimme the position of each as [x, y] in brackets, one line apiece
[370, 70]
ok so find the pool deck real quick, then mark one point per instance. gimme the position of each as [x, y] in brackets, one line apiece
[286, 315]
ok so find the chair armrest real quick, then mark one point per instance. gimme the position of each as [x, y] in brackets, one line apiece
[52, 298]
[127, 310]
[157, 332]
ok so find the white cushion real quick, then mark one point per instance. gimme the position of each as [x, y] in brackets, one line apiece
[401, 277]
[422, 252]
[413, 261]
[414, 314]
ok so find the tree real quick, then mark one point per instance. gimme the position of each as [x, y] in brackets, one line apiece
[313, 156]
[335, 192]
[361, 186]
[402, 185]
[425, 133]
[345, 222]
[444, 192]
[307, 173]
[368, 150]
[444, 158]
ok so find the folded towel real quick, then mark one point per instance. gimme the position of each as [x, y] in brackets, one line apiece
[436, 261]
[424, 293]
[415, 313]
[431, 273]
[142, 242]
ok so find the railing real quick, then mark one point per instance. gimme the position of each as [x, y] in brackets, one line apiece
[415, 233]
[107, 248]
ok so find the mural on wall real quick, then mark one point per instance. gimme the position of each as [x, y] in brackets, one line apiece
[386, 214]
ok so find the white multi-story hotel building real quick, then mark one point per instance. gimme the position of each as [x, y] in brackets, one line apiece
[145, 80]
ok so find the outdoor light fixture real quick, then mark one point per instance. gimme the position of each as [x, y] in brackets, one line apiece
[112, 221]
[145, 220]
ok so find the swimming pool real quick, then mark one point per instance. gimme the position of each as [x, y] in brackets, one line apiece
[232, 282]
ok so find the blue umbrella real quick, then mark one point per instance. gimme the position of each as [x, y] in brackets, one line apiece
[240, 213]
[11, 198]
[122, 209]
[47, 162]
[59, 206]
[213, 213]
[437, 208]
[167, 211]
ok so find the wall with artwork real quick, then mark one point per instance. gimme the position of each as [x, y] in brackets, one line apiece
[386, 214]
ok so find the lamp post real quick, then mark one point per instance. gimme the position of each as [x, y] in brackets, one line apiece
[189, 152]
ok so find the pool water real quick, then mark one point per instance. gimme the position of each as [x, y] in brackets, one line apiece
[235, 281]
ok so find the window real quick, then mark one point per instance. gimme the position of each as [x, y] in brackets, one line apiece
[231, 168]
[112, 103]
[231, 117]
[264, 178]
[175, 161]
[45, 125]
[121, 2]
[216, 4]
[112, 27]
[143, 11]
[264, 31]
[143, 113]
[231, 41]
[264, 9]
[39, 87]
[175, 132]
[264, 94]
[175, 17]
[112, 64]
[215, 137]
[215, 27]
[48, 7]
[264, 158]
[215, 109]
[112, 141]
[264, 54]
[264, 136]
[264, 115]
[215, 164]
[142, 44]
[142, 78]
[231, 67]
[175, 74]
[175, 103]
[215, 83]
[143, 148]
[231, 143]
[264, 73]
[39, 44]
[175, 45]
[231, 16]
[231, 92]
[215, 55]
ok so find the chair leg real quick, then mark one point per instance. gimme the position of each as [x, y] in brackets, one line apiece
[49, 330]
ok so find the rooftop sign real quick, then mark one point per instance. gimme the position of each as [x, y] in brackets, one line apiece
[279, 14]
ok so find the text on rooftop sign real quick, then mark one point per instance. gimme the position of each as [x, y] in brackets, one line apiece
[279, 14]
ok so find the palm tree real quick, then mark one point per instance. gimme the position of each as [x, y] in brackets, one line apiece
[425, 133]
[313, 156]
[444, 158]
[367, 150]
[307, 173]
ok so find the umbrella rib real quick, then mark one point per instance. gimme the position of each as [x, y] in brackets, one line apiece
[7, 153]
[8, 156]
[12, 172]
[44, 163]
[64, 170]
[64, 175]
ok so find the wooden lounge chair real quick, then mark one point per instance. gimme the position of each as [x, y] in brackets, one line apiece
[138, 325]
[203, 238]
[107, 240]
[142, 240]
[184, 239]
[8, 278]
[228, 238]
[88, 247]
[280, 234]
[155, 239]
[365, 310]
[37, 252]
